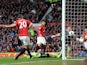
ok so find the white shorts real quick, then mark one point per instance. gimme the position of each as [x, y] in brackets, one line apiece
[25, 40]
[85, 45]
[41, 40]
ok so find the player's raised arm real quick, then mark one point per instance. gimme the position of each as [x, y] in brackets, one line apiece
[8, 26]
[31, 25]
[56, 35]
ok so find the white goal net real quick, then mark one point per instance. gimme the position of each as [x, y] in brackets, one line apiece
[74, 17]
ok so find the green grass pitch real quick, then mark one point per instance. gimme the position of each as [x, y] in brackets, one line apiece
[39, 61]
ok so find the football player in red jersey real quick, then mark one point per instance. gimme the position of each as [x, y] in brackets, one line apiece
[41, 34]
[83, 39]
[23, 26]
[41, 41]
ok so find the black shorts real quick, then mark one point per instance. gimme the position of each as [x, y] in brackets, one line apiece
[49, 39]
[20, 42]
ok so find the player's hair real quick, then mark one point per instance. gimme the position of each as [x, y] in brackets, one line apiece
[20, 16]
[44, 22]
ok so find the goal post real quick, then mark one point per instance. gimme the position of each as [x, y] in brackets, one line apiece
[63, 29]
[74, 17]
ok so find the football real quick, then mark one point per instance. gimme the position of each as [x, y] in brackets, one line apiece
[71, 33]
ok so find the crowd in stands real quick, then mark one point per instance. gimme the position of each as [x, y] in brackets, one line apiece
[33, 11]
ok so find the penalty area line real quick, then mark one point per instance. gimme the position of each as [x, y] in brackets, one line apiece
[30, 62]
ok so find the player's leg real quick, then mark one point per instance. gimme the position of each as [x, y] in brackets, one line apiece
[69, 47]
[28, 50]
[68, 51]
[39, 48]
[38, 43]
[25, 42]
[21, 52]
[43, 47]
[85, 46]
[28, 46]
[42, 44]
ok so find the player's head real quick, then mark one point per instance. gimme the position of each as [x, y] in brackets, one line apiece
[69, 29]
[85, 29]
[43, 23]
[20, 16]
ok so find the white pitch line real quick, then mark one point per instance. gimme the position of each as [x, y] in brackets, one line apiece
[29, 62]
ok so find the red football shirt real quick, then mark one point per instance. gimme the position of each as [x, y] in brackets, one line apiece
[41, 31]
[22, 25]
[84, 34]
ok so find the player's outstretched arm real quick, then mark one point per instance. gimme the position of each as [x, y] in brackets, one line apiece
[8, 26]
[58, 34]
[31, 25]
[81, 39]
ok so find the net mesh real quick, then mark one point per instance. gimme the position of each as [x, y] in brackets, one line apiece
[76, 19]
